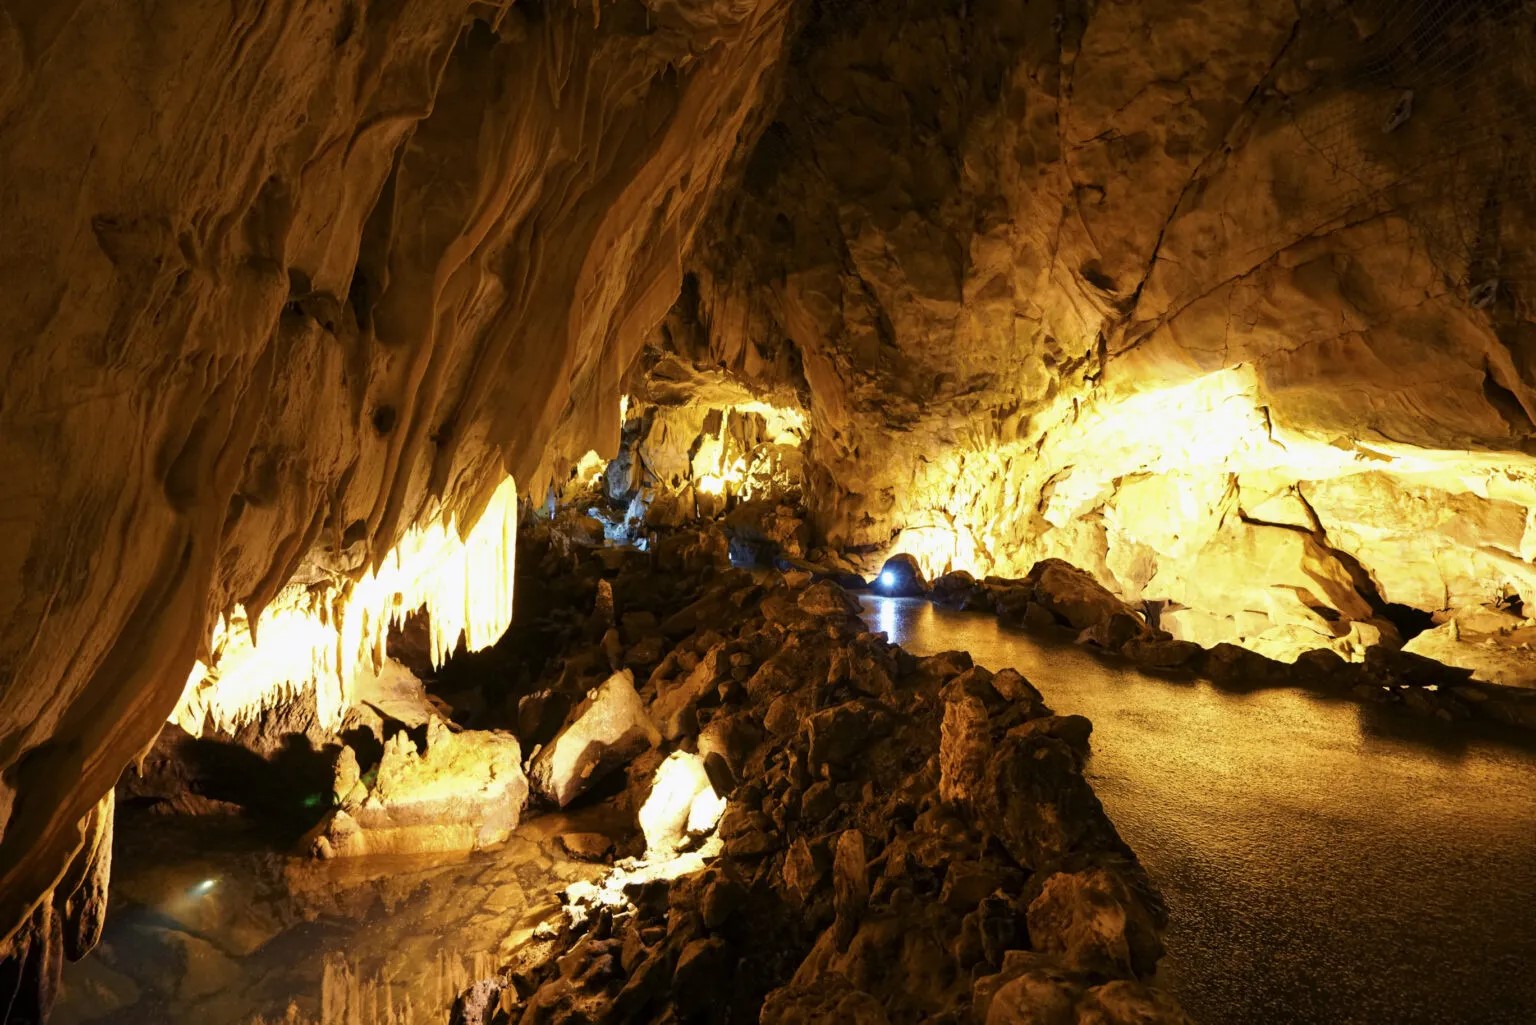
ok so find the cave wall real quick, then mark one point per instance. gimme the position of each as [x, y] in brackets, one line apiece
[1228, 303]
[281, 280]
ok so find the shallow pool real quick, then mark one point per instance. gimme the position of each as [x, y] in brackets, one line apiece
[1323, 862]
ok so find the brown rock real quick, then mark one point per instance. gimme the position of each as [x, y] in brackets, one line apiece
[604, 732]
[1094, 922]
[1129, 1003]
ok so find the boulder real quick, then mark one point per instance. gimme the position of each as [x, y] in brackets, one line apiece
[1129, 1003]
[959, 590]
[1163, 653]
[460, 792]
[682, 802]
[965, 744]
[826, 599]
[1037, 803]
[1095, 922]
[605, 731]
[900, 577]
[673, 708]
[1073, 596]
[1239, 668]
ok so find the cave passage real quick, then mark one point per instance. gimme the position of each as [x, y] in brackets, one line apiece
[1324, 862]
[767, 512]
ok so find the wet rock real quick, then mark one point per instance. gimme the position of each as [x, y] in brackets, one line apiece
[586, 846]
[605, 731]
[959, 590]
[1073, 730]
[460, 792]
[1163, 653]
[1073, 596]
[1129, 1003]
[1387, 665]
[1012, 687]
[1038, 805]
[1239, 668]
[1115, 631]
[1029, 990]
[944, 666]
[900, 577]
[1321, 665]
[1095, 922]
[826, 599]
[818, 571]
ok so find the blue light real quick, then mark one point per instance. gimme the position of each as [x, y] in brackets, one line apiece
[887, 578]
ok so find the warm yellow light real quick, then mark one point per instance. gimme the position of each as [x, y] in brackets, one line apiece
[681, 810]
[681, 802]
[324, 636]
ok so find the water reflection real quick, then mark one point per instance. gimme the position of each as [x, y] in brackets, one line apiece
[1324, 862]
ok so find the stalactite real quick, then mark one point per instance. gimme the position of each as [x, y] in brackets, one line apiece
[321, 638]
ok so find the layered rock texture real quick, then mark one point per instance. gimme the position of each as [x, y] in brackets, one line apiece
[1227, 304]
[283, 280]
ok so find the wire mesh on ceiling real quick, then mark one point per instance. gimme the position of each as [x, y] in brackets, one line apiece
[1434, 116]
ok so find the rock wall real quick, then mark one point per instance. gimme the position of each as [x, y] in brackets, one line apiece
[1228, 303]
[281, 280]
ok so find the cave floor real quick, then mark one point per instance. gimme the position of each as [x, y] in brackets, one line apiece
[1324, 862]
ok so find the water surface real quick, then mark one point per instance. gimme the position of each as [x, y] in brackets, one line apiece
[1324, 863]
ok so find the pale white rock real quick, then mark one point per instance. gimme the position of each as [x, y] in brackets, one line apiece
[608, 729]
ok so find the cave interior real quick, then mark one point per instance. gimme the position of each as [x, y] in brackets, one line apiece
[783, 511]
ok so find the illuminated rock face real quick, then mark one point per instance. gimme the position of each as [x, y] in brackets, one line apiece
[285, 281]
[458, 792]
[1163, 289]
[1192, 296]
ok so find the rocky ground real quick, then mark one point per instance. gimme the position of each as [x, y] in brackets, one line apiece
[874, 837]
[1056, 596]
[787, 818]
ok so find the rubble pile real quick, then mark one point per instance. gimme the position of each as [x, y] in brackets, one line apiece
[899, 839]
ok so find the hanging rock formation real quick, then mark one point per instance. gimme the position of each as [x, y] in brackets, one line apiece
[282, 280]
[1226, 304]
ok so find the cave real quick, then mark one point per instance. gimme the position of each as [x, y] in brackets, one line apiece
[777, 511]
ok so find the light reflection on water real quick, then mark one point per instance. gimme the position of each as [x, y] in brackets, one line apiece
[1324, 862]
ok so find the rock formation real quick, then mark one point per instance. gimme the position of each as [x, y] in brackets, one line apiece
[841, 831]
[1226, 304]
[283, 280]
